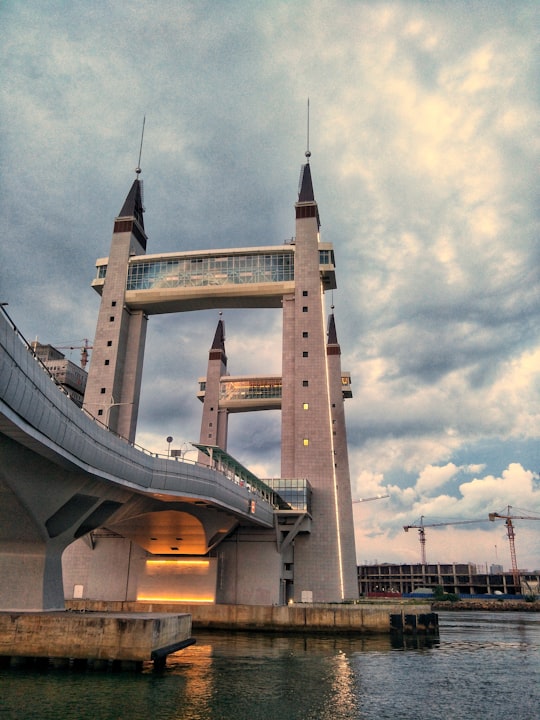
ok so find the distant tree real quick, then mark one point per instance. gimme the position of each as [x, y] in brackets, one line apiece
[441, 596]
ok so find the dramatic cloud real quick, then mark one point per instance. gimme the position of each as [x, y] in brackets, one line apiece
[424, 140]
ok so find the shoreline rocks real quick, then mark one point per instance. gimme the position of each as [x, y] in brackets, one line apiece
[489, 605]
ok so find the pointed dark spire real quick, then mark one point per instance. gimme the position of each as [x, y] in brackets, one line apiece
[305, 193]
[219, 337]
[217, 351]
[131, 215]
[332, 334]
[133, 204]
[332, 345]
[306, 206]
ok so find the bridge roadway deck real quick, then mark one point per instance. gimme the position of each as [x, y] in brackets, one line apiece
[63, 475]
[37, 414]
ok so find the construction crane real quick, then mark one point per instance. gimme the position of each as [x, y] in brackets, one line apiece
[511, 536]
[368, 499]
[422, 534]
[83, 348]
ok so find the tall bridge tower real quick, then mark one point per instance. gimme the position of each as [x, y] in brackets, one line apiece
[310, 555]
[325, 563]
[114, 379]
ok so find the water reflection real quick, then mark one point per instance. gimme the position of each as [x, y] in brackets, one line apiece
[257, 676]
[267, 676]
[248, 676]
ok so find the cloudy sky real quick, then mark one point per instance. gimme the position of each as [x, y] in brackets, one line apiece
[424, 141]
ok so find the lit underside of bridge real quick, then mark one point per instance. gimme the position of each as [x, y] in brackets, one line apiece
[256, 277]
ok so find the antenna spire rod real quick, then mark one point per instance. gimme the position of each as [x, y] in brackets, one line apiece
[308, 153]
[138, 168]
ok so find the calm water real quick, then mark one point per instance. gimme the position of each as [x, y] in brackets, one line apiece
[484, 665]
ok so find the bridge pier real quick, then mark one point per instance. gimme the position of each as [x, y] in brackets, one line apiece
[42, 508]
[31, 577]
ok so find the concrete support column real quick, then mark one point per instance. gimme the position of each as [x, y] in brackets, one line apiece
[31, 577]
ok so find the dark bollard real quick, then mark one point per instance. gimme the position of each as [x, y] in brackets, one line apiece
[410, 623]
[396, 622]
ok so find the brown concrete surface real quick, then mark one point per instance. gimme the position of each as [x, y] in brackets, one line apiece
[91, 635]
[298, 617]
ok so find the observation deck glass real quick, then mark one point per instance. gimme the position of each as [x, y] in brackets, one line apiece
[211, 270]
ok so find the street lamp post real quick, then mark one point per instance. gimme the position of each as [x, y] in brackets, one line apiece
[108, 412]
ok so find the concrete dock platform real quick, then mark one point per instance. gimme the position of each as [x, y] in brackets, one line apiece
[361, 618]
[94, 636]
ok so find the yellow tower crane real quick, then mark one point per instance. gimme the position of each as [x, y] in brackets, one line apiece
[508, 517]
[422, 533]
[83, 348]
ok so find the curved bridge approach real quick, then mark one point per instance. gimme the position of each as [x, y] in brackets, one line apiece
[62, 475]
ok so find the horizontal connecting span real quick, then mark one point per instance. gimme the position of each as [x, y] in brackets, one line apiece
[250, 393]
[239, 277]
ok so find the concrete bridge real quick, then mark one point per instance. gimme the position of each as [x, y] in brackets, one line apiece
[163, 529]
[62, 475]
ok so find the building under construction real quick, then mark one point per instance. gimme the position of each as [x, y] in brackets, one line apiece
[71, 377]
[463, 579]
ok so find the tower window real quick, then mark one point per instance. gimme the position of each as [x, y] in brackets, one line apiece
[304, 293]
[106, 362]
[100, 412]
[305, 334]
[109, 343]
[306, 442]
[304, 309]
[111, 318]
[305, 353]
[306, 406]
[305, 383]
[113, 304]
[103, 390]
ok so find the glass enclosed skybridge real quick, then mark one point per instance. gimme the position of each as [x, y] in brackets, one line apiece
[238, 277]
[244, 393]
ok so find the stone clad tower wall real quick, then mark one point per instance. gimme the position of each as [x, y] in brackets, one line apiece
[341, 465]
[308, 441]
[114, 379]
[214, 423]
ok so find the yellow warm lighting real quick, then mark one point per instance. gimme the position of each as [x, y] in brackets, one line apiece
[159, 598]
[185, 563]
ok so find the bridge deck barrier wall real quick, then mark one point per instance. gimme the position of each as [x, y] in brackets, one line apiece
[56, 428]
